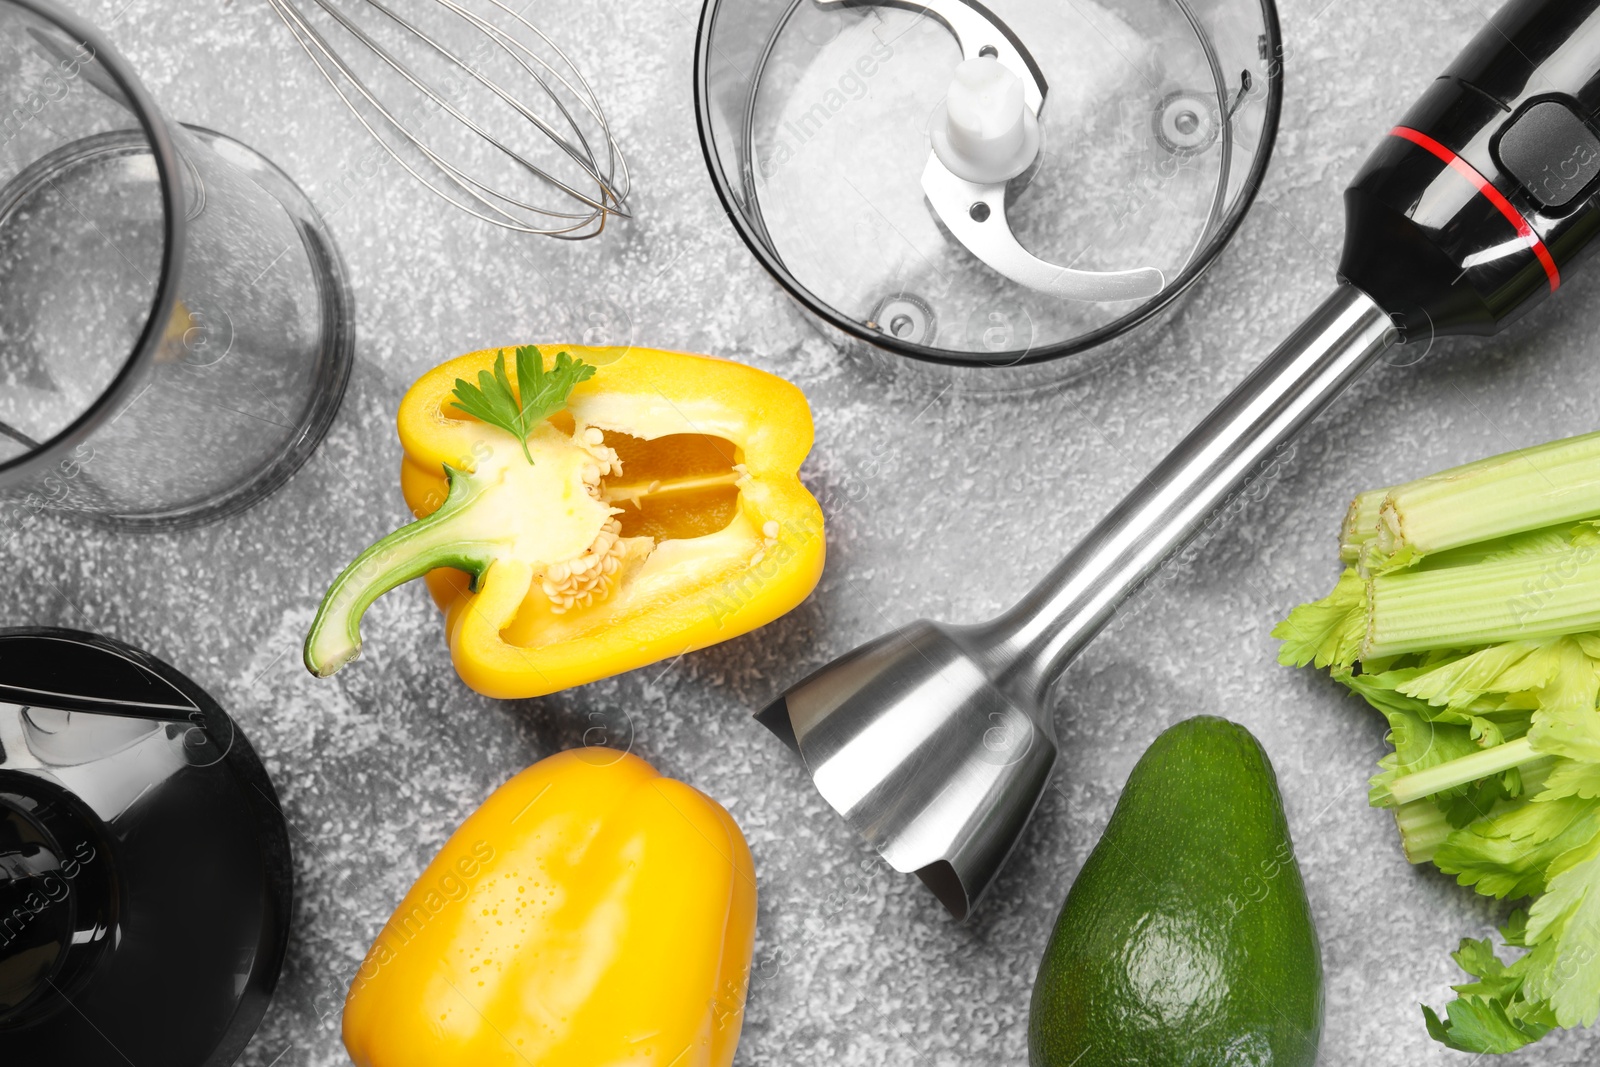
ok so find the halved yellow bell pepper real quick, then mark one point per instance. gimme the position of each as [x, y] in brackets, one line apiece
[590, 913]
[660, 512]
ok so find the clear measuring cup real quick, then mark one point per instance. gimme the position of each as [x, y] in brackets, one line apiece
[176, 327]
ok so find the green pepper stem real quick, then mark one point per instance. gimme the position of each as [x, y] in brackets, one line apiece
[443, 539]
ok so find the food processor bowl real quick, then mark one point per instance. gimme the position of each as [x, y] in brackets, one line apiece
[998, 191]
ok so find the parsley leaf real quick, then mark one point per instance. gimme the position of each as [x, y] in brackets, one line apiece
[494, 401]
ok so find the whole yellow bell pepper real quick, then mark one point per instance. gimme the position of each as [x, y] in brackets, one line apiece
[590, 913]
[658, 510]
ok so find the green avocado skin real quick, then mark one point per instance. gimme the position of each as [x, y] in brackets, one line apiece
[1187, 939]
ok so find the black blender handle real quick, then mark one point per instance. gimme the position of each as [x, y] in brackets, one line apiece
[1487, 194]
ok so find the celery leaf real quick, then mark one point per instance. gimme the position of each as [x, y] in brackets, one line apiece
[1477, 1024]
[1508, 668]
[1564, 932]
[1491, 1014]
[1505, 853]
[1326, 632]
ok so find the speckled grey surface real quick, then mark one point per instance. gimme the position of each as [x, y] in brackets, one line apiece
[946, 507]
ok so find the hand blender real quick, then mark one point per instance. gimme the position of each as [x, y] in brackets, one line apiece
[936, 741]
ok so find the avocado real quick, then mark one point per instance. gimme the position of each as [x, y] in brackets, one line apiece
[1187, 939]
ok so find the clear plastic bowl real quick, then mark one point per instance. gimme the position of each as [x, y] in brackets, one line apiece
[1157, 121]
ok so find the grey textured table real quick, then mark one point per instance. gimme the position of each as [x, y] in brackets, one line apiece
[855, 964]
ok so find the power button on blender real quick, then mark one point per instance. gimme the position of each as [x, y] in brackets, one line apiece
[1552, 152]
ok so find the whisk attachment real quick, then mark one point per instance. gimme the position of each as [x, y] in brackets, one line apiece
[447, 88]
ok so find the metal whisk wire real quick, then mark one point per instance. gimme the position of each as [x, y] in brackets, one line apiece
[585, 218]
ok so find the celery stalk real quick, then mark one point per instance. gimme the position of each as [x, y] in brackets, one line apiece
[1512, 493]
[1469, 613]
[1360, 525]
[1520, 598]
[1423, 828]
[1463, 771]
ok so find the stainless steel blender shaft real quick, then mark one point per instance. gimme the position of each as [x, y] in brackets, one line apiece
[936, 742]
[1034, 642]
